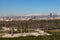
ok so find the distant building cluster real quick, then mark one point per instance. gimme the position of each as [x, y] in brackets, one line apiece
[41, 17]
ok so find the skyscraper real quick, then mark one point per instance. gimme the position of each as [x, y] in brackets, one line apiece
[50, 14]
[55, 15]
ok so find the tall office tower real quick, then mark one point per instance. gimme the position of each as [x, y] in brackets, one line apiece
[55, 15]
[51, 15]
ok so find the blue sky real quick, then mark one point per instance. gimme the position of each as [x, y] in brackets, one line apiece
[21, 7]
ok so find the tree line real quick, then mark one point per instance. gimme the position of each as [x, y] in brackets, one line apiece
[44, 24]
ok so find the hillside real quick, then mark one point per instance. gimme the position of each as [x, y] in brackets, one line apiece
[45, 24]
